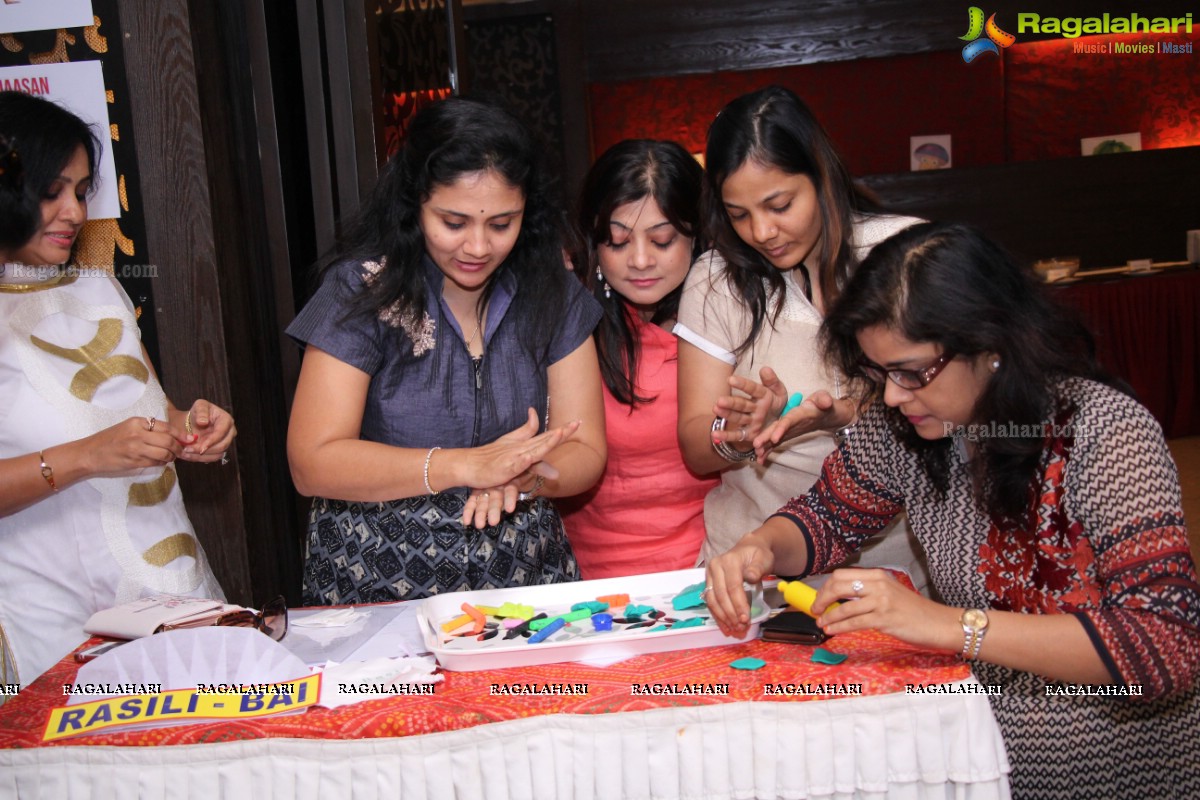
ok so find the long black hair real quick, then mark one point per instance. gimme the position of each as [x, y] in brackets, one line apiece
[37, 140]
[449, 139]
[627, 172]
[774, 127]
[950, 285]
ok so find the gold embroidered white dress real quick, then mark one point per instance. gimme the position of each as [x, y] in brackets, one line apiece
[71, 364]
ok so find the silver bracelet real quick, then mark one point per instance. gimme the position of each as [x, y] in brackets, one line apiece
[725, 451]
[532, 493]
[429, 456]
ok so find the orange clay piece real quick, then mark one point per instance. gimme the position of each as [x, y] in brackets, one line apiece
[477, 615]
[614, 600]
[457, 622]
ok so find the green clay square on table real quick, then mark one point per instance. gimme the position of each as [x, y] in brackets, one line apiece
[748, 663]
[823, 656]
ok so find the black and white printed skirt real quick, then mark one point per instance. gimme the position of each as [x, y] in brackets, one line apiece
[416, 547]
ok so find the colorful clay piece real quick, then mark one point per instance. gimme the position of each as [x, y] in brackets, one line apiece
[694, 622]
[457, 622]
[515, 610]
[522, 629]
[793, 401]
[513, 622]
[614, 600]
[602, 622]
[553, 627]
[593, 606]
[476, 615]
[748, 663]
[823, 656]
[690, 597]
[632, 610]
[800, 595]
[490, 611]
[539, 624]
[658, 628]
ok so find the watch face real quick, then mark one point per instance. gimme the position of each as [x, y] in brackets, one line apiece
[974, 618]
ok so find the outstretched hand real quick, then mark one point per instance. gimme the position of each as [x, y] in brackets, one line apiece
[819, 412]
[746, 416]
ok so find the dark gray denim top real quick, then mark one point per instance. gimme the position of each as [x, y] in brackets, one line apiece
[423, 389]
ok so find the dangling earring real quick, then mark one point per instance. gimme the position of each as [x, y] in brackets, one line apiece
[607, 288]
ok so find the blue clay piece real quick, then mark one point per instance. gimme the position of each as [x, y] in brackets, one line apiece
[792, 402]
[548, 631]
[688, 599]
[823, 656]
[637, 611]
[602, 622]
[657, 628]
[748, 663]
[694, 622]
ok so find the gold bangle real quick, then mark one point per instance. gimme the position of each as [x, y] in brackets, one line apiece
[47, 472]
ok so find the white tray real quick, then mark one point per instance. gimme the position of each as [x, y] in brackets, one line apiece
[656, 589]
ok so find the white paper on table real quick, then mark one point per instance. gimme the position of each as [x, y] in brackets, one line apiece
[353, 634]
[359, 681]
[189, 658]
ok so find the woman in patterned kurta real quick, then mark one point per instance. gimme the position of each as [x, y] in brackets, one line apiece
[1048, 505]
[90, 512]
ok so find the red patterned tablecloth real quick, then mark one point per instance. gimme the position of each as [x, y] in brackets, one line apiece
[878, 662]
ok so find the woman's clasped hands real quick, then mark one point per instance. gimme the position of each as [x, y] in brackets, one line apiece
[509, 469]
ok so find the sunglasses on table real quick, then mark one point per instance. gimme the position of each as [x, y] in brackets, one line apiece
[271, 620]
[907, 378]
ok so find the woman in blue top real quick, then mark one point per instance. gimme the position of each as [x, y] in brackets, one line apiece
[450, 384]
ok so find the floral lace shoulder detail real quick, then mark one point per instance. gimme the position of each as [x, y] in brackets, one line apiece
[422, 333]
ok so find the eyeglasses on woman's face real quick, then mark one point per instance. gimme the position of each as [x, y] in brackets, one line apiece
[906, 378]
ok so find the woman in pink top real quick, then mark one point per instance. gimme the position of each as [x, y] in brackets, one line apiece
[639, 219]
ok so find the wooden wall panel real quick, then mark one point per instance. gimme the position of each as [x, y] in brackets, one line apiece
[1104, 209]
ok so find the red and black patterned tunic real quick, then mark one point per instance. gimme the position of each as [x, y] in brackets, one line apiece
[1109, 546]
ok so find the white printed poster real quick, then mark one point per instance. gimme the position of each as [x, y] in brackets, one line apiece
[44, 15]
[79, 87]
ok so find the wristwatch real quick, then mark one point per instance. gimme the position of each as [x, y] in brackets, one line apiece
[974, 624]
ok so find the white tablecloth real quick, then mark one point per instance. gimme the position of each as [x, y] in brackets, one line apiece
[900, 746]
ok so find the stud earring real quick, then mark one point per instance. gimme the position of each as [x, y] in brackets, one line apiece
[995, 364]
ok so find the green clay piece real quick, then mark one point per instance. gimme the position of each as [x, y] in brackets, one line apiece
[515, 610]
[792, 402]
[593, 606]
[823, 656]
[694, 622]
[538, 624]
[748, 663]
[656, 628]
[637, 611]
[689, 597]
